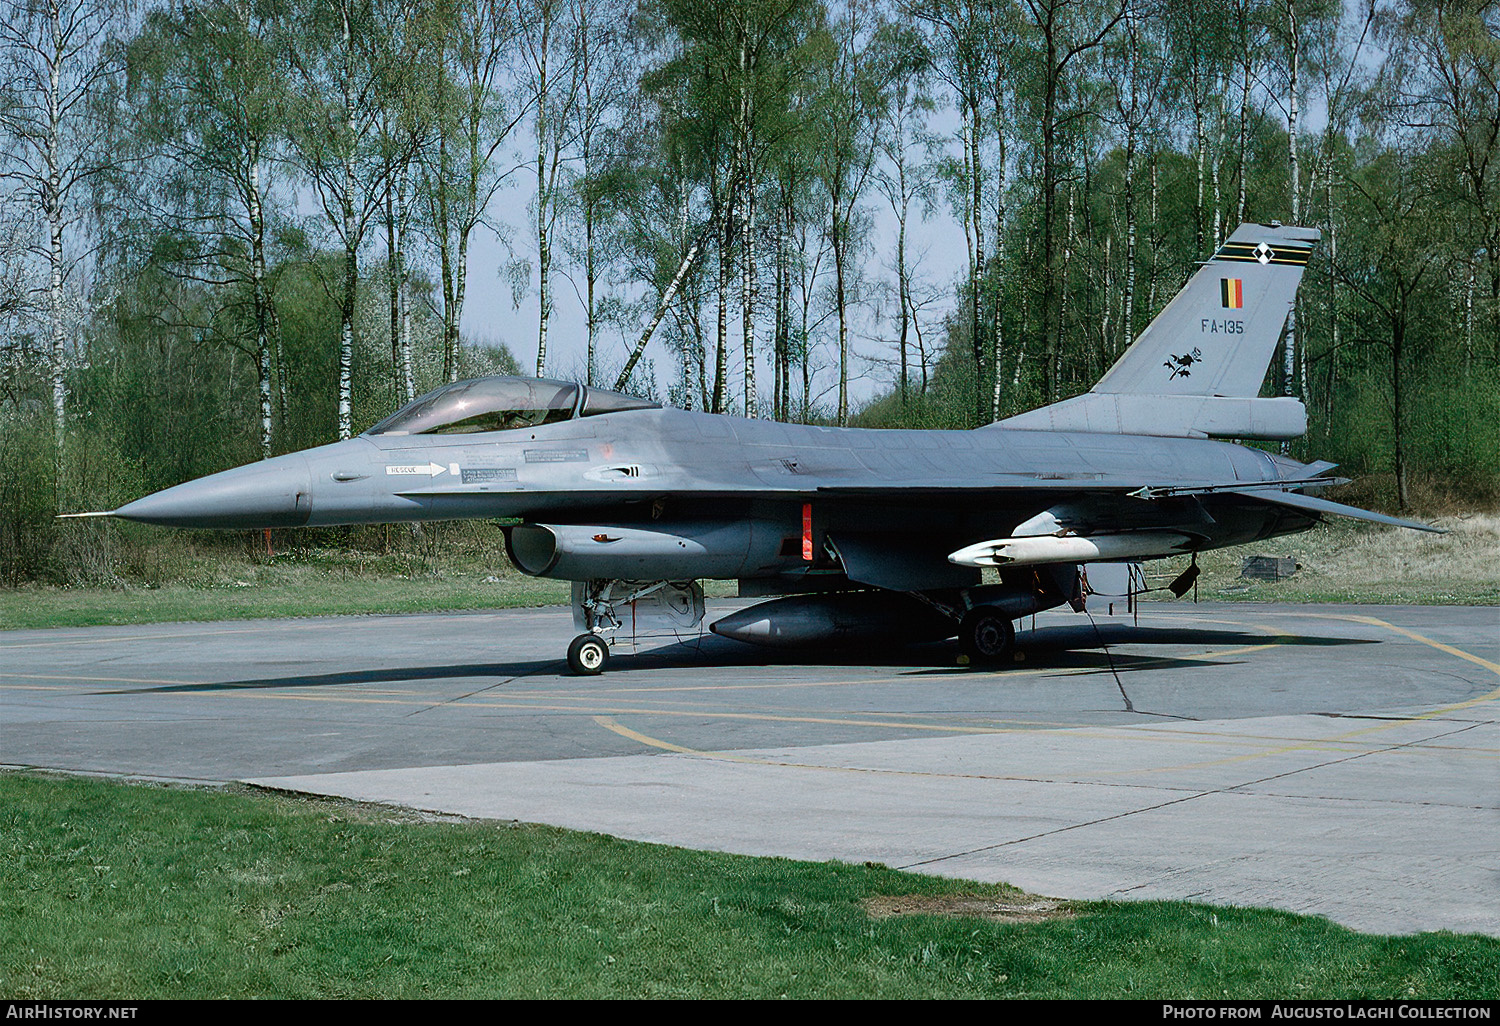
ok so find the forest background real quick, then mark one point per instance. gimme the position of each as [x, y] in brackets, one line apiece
[235, 228]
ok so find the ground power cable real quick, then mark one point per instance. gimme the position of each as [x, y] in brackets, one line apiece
[1129, 706]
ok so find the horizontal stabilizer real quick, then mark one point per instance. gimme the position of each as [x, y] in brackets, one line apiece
[1313, 504]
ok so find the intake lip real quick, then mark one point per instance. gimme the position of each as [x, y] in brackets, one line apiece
[273, 493]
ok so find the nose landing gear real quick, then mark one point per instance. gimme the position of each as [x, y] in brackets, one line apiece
[602, 609]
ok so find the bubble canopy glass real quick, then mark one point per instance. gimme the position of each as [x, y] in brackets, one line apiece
[501, 404]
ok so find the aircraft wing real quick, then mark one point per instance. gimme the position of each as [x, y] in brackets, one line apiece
[978, 489]
[1313, 504]
[1274, 493]
[1098, 483]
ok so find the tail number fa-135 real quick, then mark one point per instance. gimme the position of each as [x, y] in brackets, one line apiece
[1209, 326]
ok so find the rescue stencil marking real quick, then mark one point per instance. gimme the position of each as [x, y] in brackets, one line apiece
[417, 470]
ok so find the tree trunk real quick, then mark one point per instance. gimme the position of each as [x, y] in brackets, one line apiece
[393, 286]
[346, 343]
[997, 329]
[1202, 154]
[52, 206]
[842, 301]
[661, 310]
[749, 293]
[1127, 322]
[1244, 127]
[1398, 419]
[260, 303]
[903, 287]
[543, 199]
[721, 356]
[1289, 364]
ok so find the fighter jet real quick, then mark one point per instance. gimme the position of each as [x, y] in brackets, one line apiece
[862, 533]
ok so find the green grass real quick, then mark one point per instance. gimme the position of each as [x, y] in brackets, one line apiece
[110, 890]
[1350, 561]
[151, 575]
[34, 606]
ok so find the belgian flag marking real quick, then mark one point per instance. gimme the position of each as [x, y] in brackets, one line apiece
[1232, 292]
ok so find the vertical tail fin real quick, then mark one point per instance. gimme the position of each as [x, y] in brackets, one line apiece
[1197, 368]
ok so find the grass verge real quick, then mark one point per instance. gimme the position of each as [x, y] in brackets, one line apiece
[1351, 561]
[33, 606]
[109, 890]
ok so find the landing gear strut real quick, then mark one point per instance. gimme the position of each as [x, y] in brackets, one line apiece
[986, 635]
[602, 608]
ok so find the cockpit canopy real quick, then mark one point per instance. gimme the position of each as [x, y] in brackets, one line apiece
[501, 404]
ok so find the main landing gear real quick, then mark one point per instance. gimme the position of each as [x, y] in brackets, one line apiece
[986, 635]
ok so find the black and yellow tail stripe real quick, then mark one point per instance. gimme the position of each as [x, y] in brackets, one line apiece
[1284, 253]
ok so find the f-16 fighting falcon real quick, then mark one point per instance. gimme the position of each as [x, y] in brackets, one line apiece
[864, 533]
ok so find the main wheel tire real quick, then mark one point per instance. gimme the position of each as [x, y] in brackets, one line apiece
[986, 636]
[588, 655]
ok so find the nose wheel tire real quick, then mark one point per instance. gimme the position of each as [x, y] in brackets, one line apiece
[986, 636]
[588, 655]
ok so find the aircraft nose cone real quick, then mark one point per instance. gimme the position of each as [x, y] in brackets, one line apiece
[272, 493]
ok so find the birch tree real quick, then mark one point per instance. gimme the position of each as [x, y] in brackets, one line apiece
[210, 97]
[961, 53]
[336, 56]
[1442, 77]
[473, 127]
[550, 86]
[606, 100]
[1066, 31]
[56, 60]
[905, 176]
[855, 79]
[735, 68]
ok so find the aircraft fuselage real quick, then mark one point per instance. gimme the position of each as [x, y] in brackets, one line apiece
[663, 465]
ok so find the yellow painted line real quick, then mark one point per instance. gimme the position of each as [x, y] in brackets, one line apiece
[1336, 743]
[1350, 742]
[697, 714]
[1471, 657]
[1350, 747]
[1349, 736]
[359, 698]
[1195, 617]
[332, 621]
[958, 675]
[179, 636]
[610, 724]
[652, 742]
[89, 680]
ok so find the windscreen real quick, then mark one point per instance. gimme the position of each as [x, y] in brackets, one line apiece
[486, 404]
